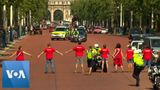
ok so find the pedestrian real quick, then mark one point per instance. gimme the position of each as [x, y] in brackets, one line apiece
[79, 50]
[158, 57]
[104, 54]
[147, 56]
[20, 54]
[129, 57]
[117, 57]
[138, 66]
[49, 51]
[90, 56]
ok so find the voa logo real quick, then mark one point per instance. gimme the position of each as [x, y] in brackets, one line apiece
[18, 74]
[15, 74]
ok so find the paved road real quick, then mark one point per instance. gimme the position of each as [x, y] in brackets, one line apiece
[64, 78]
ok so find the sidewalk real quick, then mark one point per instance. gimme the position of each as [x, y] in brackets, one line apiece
[5, 52]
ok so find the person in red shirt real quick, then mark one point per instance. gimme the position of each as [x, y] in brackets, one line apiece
[117, 57]
[129, 57]
[20, 54]
[79, 50]
[104, 53]
[147, 56]
[49, 57]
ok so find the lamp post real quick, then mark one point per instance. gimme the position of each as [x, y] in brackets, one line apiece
[11, 22]
[30, 19]
[121, 15]
[152, 21]
[19, 26]
[4, 26]
[131, 25]
[121, 19]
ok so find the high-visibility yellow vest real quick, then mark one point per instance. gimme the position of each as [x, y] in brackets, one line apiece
[138, 59]
[97, 50]
[89, 54]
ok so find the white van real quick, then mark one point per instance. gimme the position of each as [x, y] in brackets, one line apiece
[137, 44]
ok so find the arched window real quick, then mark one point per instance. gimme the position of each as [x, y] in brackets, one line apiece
[58, 15]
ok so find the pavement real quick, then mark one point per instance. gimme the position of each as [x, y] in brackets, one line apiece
[5, 52]
[65, 78]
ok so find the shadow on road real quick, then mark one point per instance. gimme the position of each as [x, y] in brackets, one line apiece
[132, 85]
[121, 72]
[151, 89]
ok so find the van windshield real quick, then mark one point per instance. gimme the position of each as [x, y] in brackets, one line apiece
[135, 44]
[61, 29]
[155, 42]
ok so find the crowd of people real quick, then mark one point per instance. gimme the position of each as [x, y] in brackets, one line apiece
[136, 60]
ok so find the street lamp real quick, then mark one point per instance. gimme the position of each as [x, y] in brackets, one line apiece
[121, 16]
[11, 22]
[4, 26]
[152, 21]
[131, 22]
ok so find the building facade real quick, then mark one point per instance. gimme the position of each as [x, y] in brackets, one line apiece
[60, 10]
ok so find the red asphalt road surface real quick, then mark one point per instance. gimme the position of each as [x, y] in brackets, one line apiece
[65, 78]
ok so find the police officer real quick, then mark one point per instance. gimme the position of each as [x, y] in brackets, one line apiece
[90, 56]
[69, 33]
[97, 49]
[97, 56]
[75, 32]
[138, 66]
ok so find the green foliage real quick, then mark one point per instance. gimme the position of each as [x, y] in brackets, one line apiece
[37, 7]
[99, 10]
[92, 10]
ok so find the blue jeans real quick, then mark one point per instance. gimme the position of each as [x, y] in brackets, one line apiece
[51, 62]
[130, 61]
[147, 63]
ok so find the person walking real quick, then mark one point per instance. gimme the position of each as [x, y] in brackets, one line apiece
[129, 57]
[79, 50]
[158, 57]
[90, 57]
[104, 54]
[20, 54]
[138, 66]
[49, 51]
[117, 57]
[147, 56]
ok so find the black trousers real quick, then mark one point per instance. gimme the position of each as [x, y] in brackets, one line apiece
[136, 72]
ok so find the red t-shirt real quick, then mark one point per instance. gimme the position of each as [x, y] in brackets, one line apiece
[129, 53]
[104, 52]
[118, 53]
[79, 50]
[19, 56]
[49, 53]
[147, 54]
